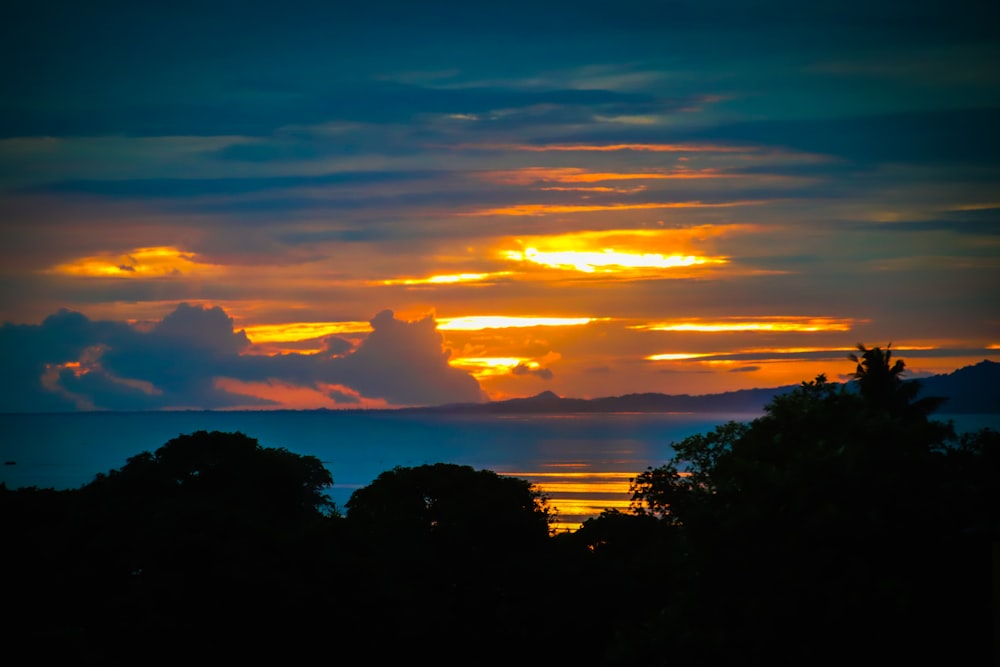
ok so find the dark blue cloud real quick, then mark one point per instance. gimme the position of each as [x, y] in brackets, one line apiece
[155, 69]
[205, 187]
[984, 222]
[70, 361]
[957, 135]
[373, 102]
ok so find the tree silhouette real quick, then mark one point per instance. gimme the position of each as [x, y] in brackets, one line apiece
[832, 512]
[448, 546]
[450, 508]
[208, 541]
[880, 381]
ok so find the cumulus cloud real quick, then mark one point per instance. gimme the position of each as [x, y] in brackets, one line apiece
[71, 362]
[404, 363]
[33, 356]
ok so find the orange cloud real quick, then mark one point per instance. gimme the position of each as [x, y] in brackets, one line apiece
[156, 262]
[531, 175]
[597, 188]
[593, 188]
[607, 261]
[546, 209]
[483, 367]
[479, 322]
[767, 354]
[627, 251]
[296, 397]
[676, 356]
[297, 331]
[780, 323]
[446, 279]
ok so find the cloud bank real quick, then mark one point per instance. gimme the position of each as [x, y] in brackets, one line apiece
[194, 358]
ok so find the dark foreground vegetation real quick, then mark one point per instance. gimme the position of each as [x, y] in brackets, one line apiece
[840, 527]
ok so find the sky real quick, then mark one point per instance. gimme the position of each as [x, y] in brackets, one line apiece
[223, 205]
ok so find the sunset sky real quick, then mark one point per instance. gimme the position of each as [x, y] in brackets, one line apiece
[306, 204]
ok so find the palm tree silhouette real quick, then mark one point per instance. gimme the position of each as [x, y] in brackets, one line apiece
[877, 377]
[880, 381]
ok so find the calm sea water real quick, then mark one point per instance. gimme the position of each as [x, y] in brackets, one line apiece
[583, 462]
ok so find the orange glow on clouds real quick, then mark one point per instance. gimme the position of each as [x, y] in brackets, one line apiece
[479, 322]
[158, 262]
[546, 209]
[607, 260]
[447, 279]
[530, 175]
[676, 356]
[297, 331]
[764, 354]
[593, 188]
[620, 251]
[808, 324]
[295, 397]
[481, 367]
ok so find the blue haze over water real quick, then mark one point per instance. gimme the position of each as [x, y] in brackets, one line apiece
[582, 461]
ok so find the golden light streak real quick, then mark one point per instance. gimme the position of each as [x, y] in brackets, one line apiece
[492, 362]
[296, 331]
[579, 475]
[608, 260]
[446, 279]
[584, 487]
[808, 350]
[586, 507]
[676, 356]
[479, 322]
[598, 239]
[546, 209]
[809, 324]
[977, 207]
[639, 188]
[741, 356]
[635, 252]
[794, 350]
[156, 262]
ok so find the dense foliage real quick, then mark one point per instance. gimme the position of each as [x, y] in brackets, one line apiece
[840, 523]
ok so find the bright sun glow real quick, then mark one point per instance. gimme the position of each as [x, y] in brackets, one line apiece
[634, 252]
[483, 367]
[296, 331]
[159, 262]
[478, 322]
[447, 279]
[607, 260]
[676, 356]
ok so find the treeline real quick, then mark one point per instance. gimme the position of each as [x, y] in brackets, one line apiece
[839, 527]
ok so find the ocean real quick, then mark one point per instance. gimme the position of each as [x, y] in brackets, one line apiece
[582, 462]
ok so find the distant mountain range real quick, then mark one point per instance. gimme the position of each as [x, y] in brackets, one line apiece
[969, 390]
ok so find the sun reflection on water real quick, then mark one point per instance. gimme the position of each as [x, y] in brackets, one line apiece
[576, 496]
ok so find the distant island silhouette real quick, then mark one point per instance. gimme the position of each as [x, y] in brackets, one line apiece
[969, 390]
